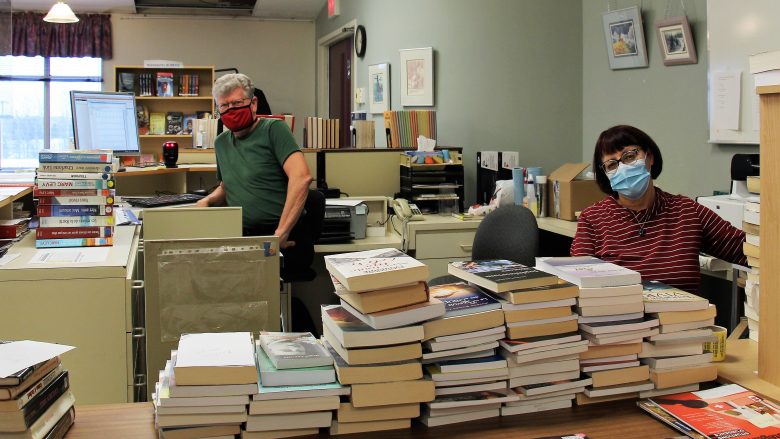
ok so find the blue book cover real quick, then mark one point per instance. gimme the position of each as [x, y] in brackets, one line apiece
[460, 298]
[73, 242]
[74, 210]
[74, 157]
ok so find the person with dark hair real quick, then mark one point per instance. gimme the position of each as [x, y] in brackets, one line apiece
[641, 227]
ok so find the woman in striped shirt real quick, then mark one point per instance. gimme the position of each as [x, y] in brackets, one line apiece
[643, 228]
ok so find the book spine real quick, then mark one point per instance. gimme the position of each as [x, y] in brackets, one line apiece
[73, 242]
[74, 167]
[74, 210]
[75, 157]
[86, 200]
[38, 387]
[45, 399]
[74, 184]
[62, 426]
[73, 232]
[74, 175]
[76, 221]
[73, 193]
[8, 233]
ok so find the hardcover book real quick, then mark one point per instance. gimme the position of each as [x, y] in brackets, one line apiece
[174, 121]
[460, 298]
[589, 272]
[292, 350]
[375, 269]
[659, 297]
[164, 84]
[500, 275]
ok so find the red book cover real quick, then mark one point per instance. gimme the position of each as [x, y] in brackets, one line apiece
[72, 192]
[724, 412]
[73, 232]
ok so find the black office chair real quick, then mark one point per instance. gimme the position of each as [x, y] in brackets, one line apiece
[509, 232]
[297, 267]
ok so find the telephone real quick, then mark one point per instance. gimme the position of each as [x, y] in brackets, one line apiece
[406, 211]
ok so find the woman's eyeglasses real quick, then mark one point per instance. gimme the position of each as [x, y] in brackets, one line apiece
[627, 158]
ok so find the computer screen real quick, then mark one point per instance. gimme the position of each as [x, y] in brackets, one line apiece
[105, 120]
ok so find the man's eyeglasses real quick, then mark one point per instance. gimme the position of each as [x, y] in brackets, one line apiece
[228, 105]
[627, 158]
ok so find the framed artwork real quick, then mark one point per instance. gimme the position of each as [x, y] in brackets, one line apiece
[625, 38]
[417, 77]
[676, 41]
[379, 88]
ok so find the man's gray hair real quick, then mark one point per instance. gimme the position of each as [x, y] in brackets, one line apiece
[227, 83]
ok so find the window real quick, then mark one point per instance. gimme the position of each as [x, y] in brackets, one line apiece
[35, 104]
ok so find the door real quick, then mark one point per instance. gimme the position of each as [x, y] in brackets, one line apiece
[340, 87]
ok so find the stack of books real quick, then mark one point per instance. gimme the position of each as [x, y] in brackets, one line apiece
[460, 357]
[676, 355]
[205, 387]
[298, 390]
[75, 199]
[36, 402]
[321, 133]
[611, 318]
[402, 128]
[375, 338]
[751, 225]
[541, 344]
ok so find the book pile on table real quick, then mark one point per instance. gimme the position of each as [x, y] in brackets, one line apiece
[460, 357]
[751, 224]
[298, 390]
[375, 338]
[75, 197]
[676, 356]
[36, 402]
[611, 318]
[541, 344]
[205, 387]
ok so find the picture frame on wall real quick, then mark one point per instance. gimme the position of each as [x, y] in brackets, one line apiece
[379, 88]
[676, 41]
[417, 79]
[625, 38]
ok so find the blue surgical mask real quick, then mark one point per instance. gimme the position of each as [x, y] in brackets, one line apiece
[632, 180]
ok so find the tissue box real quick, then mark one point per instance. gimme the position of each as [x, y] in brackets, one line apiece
[566, 195]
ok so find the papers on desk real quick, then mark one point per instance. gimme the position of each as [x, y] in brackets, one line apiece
[17, 355]
[125, 217]
[8, 257]
[342, 202]
[53, 256]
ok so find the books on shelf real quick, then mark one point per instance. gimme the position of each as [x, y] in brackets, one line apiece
[164, 83]
[375, 269]
[500, 275]
[156, 123]
[402, 128]
[588, 271]
[126, 82]
[189, 85]
[321, 133]
[174, 122]
[290, 350]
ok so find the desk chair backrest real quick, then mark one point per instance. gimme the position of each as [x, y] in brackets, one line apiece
[309, 227]
[509, 232]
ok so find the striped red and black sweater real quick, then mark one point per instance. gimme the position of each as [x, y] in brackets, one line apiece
[661, 242]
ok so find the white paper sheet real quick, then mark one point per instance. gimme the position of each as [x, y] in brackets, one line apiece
[70, 255]
[8, 257]
[215, 349]
[340, 202]
[18, 355]
[726, 92]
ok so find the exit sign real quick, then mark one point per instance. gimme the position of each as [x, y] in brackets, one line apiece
[333, 8]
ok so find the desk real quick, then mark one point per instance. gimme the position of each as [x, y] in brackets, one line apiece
[740, 367]
[147, 181]
[600, 421]
[86, 305]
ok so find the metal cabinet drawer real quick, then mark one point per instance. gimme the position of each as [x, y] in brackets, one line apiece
[444, 244]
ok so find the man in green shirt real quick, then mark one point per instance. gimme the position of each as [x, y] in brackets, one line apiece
[259, 166]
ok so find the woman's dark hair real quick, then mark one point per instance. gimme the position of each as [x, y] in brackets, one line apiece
[615, 139]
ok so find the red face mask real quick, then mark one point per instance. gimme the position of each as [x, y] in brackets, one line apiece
[238, 118]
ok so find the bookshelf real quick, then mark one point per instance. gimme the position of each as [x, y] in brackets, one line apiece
[152, 143]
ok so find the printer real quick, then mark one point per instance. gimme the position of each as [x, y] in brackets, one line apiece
[344, 220]
[731, 207]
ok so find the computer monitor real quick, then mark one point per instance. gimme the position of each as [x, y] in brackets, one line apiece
[105, 120]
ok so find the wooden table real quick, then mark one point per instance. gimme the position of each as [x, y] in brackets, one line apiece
[620, 419]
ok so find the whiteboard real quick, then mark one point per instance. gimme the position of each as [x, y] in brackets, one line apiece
[737, 29]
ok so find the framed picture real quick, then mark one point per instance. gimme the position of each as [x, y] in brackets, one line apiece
[417, 77]
[625, 38]
[676, 41]
[379, 88]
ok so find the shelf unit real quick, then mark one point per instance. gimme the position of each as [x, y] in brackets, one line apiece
[152, 143]
[428, 185]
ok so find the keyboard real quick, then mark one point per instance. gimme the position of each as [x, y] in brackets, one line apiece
[163, 200]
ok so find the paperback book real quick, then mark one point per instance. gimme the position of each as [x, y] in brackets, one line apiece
[588, 271]
[460, 298]
[375, 269]
[660, 297]
[291, 350]
[500, 275]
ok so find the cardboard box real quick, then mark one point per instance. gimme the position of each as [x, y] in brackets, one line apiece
[565, 195]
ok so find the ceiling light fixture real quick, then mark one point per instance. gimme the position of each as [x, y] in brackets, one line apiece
[60, 13]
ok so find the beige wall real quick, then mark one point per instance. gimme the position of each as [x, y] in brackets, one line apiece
[277, 55]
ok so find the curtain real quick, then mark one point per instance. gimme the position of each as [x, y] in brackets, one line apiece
[90, 37]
